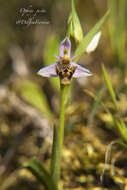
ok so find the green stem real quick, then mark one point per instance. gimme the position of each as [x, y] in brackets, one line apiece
[58, 138]
[63, 99]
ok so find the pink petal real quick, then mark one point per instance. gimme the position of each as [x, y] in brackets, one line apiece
[80, 71]
[49, 71]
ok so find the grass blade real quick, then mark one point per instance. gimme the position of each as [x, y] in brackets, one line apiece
[109, 85]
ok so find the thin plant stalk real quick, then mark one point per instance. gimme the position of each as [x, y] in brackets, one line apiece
[60, 131]
[63, 99]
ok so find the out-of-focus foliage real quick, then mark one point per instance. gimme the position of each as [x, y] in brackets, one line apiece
[118, 121]
[26, 132]
[32, 93]
[117, 29]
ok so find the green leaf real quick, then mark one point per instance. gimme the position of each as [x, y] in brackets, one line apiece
[86, 40]
[51, 49]
[36, 174]
[32, 93]
[74, 28]
[40, 173]
[109, 85]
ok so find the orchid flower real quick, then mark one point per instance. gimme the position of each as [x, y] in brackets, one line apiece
[65, 67]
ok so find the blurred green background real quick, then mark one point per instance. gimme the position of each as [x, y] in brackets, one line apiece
[29, 104]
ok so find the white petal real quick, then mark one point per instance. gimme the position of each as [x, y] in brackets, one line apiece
[49, 71]
[94, 42]
[80, 71]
